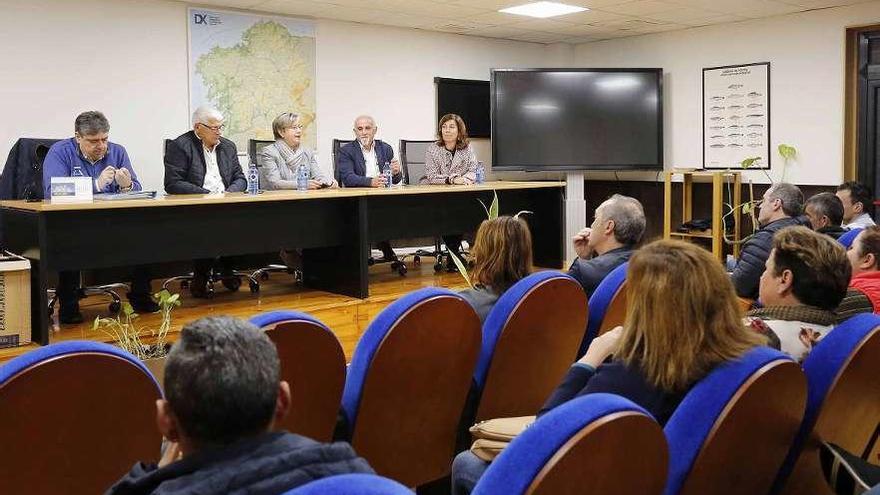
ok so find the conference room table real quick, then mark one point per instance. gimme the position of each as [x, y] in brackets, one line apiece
[333, 227]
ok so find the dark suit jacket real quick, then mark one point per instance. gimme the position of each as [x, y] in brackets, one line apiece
[591, 272]
[353, 167]
[185, 166]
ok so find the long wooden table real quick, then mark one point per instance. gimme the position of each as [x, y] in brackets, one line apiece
[334, 227]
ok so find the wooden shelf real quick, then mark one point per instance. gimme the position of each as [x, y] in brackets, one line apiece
[702, 235]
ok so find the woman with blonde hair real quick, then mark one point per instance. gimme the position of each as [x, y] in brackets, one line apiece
[502, 256]
[683, 321]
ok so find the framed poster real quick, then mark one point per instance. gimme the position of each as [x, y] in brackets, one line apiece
[736, 116]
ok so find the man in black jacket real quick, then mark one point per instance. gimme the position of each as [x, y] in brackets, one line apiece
[223, 396]
[618, 225]
[779, 208]
[825, 212]
[201, 161]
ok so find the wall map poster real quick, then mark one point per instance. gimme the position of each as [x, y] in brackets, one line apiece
[736, 116]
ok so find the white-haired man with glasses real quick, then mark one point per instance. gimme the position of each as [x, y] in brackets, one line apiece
[202, 161]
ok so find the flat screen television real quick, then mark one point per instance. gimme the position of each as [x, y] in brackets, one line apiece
[469, 99]
[577, 119]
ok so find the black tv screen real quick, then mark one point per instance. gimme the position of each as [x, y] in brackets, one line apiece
[577, 119]
[469, 99]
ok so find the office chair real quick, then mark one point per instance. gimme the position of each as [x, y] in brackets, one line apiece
[41, 149]
[399, 266]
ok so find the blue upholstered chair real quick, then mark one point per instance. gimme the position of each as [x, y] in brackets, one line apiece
[843, 401]
[313, 363]
[352, 484]
[607, 306]
[407, 384]
[733, 429]
[848, 237]
[530, 338]
[75, 416]
[585, 446]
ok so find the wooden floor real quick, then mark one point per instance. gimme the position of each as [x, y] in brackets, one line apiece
[348, 317]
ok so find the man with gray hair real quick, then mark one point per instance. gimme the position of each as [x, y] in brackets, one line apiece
[89, 153]
[825, 213]
[223, 399]
[618, 226]
[779, 208]
[201, 161]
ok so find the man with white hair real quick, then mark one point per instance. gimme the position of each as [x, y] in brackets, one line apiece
[361, 162]
[201, 161]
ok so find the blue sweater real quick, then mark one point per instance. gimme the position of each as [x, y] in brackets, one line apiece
[65, 154]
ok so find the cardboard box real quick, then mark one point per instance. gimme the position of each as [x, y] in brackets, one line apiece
[15, 300]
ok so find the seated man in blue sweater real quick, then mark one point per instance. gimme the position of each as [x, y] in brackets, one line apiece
[90, 154]
[618, 225]
[223, 397]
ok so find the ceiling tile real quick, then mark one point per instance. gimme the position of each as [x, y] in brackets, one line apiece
[641, 7]
[594, 16]
[820, 4]
[298, 7]
[683, 14]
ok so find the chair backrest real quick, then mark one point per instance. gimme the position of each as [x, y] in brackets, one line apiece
[254, 147]
[583, 446]
[407, 384]
[337, 144]
[75, 417]
[313, 363]
[848, 237]
[352, 484]
[731, 432]
[843, 401]
[530, 338]
[607, 306]
[412, 160]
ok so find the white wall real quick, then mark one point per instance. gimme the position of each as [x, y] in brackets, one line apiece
[806, 52]
[128, 58]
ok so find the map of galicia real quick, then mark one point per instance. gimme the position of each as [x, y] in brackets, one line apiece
[252, 68]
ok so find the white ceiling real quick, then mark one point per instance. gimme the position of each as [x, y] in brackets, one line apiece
[606, 19]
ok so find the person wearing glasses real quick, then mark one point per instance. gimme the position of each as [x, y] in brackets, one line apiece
[780, 207]
[201, 161]
[89, 153]
[280, 160]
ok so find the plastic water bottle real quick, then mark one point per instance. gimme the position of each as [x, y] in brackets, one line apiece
[302, 178]
[480, 174]
[386, 172]
[253, 179]
[77, 172]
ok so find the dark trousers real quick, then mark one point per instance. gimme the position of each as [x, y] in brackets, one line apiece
[387, 252]
[223, 265]
[453, 243]
[68, 284]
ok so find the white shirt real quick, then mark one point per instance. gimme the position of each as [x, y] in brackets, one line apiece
[861, 221]
[213, 180]
[371, 161]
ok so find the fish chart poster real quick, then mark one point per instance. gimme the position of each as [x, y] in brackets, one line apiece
[736, 116]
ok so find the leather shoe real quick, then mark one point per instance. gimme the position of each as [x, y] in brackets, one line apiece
[231, 282]
[142, 303]
[70, 315]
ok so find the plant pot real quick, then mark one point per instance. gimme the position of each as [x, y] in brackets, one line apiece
[157, 368]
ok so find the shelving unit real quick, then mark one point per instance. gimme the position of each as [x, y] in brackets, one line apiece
[716, 232]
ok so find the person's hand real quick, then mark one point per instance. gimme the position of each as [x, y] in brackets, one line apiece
[123, 178]
[334, 184]
[395, 167]
[172, 453]
[460, 180]
[601, 347]
[106, 177]
[377, 181]
[581, 243]
[314, 184]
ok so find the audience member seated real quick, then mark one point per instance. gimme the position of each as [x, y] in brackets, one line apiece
[502, 256]
[857, 202]
[361, 162]
[863, 295]
[618, 225]
[684, 320]
[451, 160]
[201, 161]
[89, 153]
[805, 279]
[825, 213]
[778, 209]
[280, 161]
[223, 396]
[847, 473]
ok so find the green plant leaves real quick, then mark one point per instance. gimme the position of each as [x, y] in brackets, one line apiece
[461, 268]
[492, 210]
[749, 162]
[787, 152]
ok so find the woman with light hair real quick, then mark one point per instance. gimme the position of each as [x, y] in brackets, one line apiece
[280, 160]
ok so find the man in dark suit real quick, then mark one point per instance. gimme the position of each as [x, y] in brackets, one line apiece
[361, 163]
[201, 161]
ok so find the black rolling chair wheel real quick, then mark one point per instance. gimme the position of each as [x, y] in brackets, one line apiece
[115, 306]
